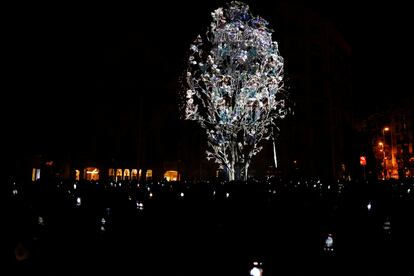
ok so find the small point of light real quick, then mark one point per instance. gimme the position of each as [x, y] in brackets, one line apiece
[227, 195]
[369, 206]
[103, 228]
[150, 194]
[74, 186]
[14, 192]
[255, 263]
[40, 221]
[409, 190]
[329, 187]
[103, 221]
[78, 201]
[182, 194]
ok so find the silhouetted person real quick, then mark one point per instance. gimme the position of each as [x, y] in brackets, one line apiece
[24, 258]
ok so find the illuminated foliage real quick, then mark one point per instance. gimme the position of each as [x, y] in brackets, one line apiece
[234, 86]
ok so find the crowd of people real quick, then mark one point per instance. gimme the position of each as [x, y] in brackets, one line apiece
[305, 226]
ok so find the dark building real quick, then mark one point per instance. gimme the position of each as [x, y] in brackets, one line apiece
[316, 141]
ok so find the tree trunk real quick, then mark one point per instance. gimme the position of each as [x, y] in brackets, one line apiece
[246, 169]
[231, 171]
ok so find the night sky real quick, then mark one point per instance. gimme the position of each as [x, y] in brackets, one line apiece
[64, 60]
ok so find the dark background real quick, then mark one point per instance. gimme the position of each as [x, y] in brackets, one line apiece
[64, 61]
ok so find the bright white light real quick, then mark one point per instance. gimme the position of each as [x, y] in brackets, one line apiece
[103, 228]
[150, 195]
[14, 192]
[214, 193]
[74, 186]
[182, 194]
[40, 221]
[140, 206]
[120, 184]
[329, 241]
[369, 206]
[409, 190]
[78, 201]
[329, 187]
[103, 221]
[227, 195]
[255, 272]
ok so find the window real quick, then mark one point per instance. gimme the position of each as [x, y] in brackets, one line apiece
[77, 175]
[118, 174]
[92, 174]
[148, 175]
[111, 173]
[35, 174]
[134, 174]
[171, 175]
[126, 174]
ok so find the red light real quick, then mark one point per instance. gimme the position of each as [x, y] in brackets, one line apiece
[362, 160]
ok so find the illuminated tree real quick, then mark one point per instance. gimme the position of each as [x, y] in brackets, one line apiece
[234, 85]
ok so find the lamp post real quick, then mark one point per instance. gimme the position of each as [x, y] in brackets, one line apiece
[384, 130]
[384, 169]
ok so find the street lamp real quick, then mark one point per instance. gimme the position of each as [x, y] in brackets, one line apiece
[384, 130]
[384, 169]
